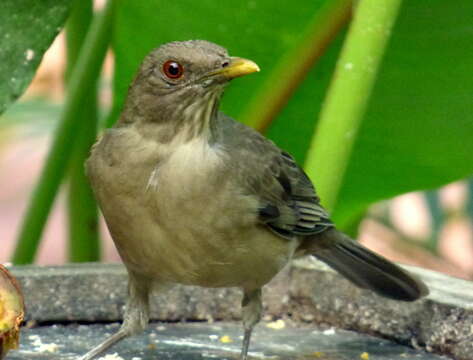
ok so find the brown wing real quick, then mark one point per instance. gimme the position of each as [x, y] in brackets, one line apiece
[289, 205]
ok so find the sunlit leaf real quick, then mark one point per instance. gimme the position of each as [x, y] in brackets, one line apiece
[418, 129]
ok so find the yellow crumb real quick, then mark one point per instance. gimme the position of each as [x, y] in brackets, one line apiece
[152, 346]
[365, 356]
[276, 325]
[226, 339]
[318, 354]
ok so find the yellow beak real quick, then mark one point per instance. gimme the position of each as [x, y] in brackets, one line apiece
[236, 68]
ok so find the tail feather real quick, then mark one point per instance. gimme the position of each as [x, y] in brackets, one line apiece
[367, 269]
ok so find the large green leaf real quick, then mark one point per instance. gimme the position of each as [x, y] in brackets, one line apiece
[292, 129]
[259, 30]
[417, 132]
[27, 28]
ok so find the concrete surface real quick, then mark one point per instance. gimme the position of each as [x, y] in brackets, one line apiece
[217, 341]
[308, 293]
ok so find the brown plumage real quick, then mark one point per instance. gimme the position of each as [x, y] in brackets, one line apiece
[191, 196]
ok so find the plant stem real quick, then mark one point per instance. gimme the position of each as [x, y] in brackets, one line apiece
[83, 236]
[294, 66]
[85, 73]
[469, 203]
[437, 215]
[348, 96]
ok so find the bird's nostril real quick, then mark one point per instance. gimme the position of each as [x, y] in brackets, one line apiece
[225, 64]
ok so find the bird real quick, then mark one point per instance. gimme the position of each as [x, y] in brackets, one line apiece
[191, 196]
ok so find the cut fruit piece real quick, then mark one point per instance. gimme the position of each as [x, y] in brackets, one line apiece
[12, 311]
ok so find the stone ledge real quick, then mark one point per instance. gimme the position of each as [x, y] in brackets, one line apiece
[186, 341]
[441, 322]
[307, 292]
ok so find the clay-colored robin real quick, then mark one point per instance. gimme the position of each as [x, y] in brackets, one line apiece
[191, 196]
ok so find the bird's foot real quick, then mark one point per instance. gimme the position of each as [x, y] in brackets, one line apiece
[105, 345]
[246, 344]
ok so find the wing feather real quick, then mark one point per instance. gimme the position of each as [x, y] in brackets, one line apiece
[289, 205]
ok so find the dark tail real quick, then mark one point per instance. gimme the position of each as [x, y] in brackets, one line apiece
[364, 268]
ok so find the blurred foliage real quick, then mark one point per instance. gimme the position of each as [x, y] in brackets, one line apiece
[469, 204]
[82, 212]
[38, 115]
[348, 96]
[417, 129]
[414, 134]
[245, 28]
[65, 139]
[27, 29]
[437, 217]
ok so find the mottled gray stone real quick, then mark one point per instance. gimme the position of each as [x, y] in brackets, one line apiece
[204, 341]
[441, 322]
[307, 293]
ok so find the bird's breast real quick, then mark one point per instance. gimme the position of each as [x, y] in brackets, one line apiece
[191, 170]
[208, 231]
[195, 190]
[186, 219]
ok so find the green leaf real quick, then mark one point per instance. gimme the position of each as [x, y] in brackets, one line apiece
[259, 30]
[348, 95]
[84, 241]
[418, 128]
[292, 129]
[27, 29]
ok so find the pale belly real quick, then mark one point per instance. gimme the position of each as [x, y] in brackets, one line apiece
[185, 222]
[201, 247]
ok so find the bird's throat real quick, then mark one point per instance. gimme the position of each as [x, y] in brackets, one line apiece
[193, 115]
[195, 119]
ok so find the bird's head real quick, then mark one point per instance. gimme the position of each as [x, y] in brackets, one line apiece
[183, 81]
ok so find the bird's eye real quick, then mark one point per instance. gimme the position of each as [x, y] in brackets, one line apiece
[173, 69]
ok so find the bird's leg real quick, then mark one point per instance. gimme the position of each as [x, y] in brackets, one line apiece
[252, 309]
[135, 319]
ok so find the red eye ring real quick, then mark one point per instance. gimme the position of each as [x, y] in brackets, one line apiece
[172, 69]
